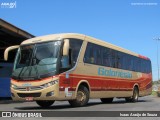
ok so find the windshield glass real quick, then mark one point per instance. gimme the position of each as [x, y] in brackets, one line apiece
[35, 61]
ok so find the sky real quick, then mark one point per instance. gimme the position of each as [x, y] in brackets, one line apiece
[131, 24]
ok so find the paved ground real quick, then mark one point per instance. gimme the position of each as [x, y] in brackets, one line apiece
[148, 103]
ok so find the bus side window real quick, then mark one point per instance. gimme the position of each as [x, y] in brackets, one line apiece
[75, 46]
[96, 54]
[129, 62]
[119, 60]
[98, 57]
[89, 56]
[93, 54]
[138, 65]
[105, 55]
[86, 56]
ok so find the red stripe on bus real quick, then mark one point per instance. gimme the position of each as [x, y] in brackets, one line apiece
[108, 78]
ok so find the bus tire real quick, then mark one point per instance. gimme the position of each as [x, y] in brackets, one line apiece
[82, 97]
[134, 97]
[128, 99]
[106, 100]
[44, 103]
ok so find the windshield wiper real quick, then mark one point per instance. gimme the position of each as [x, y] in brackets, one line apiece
[38, 75]
[19, 75]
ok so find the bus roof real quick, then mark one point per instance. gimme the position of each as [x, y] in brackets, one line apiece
[80, 36]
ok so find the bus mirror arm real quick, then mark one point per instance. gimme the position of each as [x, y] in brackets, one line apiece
[7, 50]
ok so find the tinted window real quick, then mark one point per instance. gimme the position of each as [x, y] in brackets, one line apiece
[125, 62]
[100, 55]
[75, 46]
[106, 57]
[120, 60]
[93, 54]
[97, 54]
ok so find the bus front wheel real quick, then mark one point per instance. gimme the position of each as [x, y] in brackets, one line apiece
[44, 103]
[106, 100]
[82, 97]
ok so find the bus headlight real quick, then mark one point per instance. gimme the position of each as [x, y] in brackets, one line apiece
[13, 86]
[50, 83]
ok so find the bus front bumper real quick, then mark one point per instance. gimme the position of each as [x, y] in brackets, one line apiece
[49, 93]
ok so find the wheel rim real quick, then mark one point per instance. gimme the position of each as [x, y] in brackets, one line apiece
[81, 96]
[136, 95]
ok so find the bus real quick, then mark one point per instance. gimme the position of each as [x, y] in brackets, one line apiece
[5, 74]
[75, 68]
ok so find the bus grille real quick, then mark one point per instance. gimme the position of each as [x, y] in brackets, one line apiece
[30, 88]
[29, 94]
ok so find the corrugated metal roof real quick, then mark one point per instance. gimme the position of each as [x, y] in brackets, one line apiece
[11, 35]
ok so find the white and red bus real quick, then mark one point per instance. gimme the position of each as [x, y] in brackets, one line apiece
[76, 67]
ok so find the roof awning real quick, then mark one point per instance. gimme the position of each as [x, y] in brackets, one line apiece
[11, 35]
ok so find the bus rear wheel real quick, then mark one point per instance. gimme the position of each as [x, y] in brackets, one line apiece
[82, 97]
[106, 100]
[134, 97]
[44, 103]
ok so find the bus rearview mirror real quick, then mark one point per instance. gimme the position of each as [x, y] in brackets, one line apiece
[7, 50]
[66, 47]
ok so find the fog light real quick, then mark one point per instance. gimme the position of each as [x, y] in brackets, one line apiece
[50, 94]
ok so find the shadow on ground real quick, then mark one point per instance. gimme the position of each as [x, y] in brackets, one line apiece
[8, 100]
[67, 106]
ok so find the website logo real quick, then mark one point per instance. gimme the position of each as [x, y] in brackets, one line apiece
[6, 114]
[9, 5]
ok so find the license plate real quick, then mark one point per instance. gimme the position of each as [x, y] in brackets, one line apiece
[29, 98]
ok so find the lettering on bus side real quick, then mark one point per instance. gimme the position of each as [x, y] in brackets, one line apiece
[113, 73]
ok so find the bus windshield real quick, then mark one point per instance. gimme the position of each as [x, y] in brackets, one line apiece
[36, 61]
